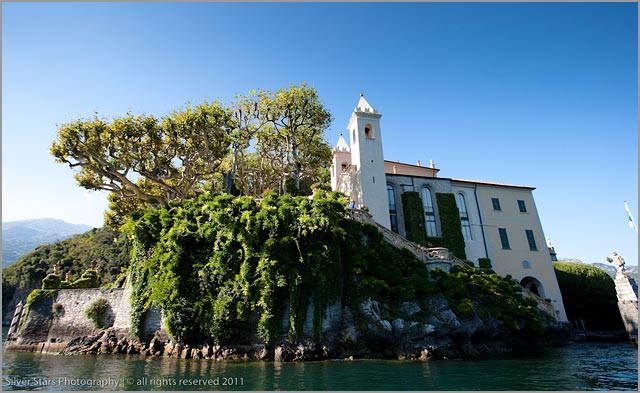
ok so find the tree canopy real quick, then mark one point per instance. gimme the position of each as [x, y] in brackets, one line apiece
[588, 294]
[262, 141]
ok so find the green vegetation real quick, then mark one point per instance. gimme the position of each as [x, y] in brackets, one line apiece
[107, 247]
[89, 279]
[211, 263]
[57, 310]
[52, 281]
[413, 217]
[492, 295]
[37, 295]
[262, 141]
[97, 311]
[484, 263]
[451, 228]
[589, 294]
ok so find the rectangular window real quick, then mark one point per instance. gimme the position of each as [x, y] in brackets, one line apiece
[504, 239]
[496, 204]
[531, 240]
[522, 206]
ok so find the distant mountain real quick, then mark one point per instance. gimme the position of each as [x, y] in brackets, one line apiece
[22, 237]
[632, 270]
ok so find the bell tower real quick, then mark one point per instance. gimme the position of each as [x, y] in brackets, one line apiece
[366, 155]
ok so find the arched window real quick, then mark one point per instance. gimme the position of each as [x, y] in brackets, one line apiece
[429, 213]
[393, 212]
[368, 131]
[464, 216]
[344, 166]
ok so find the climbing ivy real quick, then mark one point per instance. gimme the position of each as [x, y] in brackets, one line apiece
[210, 264]
[450, 223]
[413, 217]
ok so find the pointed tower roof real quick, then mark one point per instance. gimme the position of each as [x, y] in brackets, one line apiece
[342, 145]
[363, 106]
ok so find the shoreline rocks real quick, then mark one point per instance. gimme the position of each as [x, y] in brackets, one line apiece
[418, 331]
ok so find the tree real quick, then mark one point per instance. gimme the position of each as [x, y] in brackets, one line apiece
[295, 141]
[258, 143]
[248, 122]
[151, 160]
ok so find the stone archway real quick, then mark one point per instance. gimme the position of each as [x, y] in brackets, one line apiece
[534, 285]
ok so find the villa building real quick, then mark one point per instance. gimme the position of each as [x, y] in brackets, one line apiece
[499, 222]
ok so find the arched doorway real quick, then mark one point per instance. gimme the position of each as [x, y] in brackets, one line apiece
[534, 285]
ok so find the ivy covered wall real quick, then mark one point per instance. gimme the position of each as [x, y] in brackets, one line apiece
[413, 217]
[212, 264]
[452, 237]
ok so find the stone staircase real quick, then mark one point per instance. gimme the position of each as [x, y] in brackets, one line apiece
[627, 291]
[437, 257]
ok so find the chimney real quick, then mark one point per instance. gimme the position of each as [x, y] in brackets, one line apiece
[395, 169]
[433, 164]
[418, 162]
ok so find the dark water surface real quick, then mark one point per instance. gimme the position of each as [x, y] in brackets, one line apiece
[584, 366]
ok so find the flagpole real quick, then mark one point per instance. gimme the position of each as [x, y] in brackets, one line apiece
[632, 223]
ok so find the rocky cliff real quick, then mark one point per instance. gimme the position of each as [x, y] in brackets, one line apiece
[421, 329]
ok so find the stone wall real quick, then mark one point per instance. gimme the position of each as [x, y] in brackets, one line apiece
[627, 291]
[73, 322]
[40, 324]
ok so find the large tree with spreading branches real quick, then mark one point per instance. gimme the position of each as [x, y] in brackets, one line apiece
[261, 141]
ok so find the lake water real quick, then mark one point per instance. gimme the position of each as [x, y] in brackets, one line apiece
[582, 366]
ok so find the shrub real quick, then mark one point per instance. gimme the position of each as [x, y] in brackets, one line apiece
[57, 310]
[496, 296]
[83, 283]
[51, 281]
[97, 311]
[484, 263]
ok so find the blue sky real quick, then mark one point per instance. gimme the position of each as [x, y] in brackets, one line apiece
[538, 94]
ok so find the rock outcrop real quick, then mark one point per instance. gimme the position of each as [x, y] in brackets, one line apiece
[417, 330]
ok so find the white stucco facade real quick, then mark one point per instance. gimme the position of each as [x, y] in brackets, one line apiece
[368, 159]
[499, 221]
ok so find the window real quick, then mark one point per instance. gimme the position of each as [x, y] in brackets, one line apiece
[526, 264]
[393, 213]
[522, 206]
[368, 131]
[496, 204]
[531, 240]
[464, 217]
[504, 239]
[429, 213]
